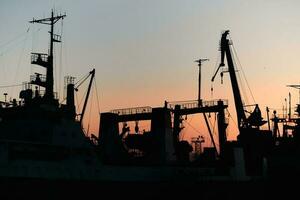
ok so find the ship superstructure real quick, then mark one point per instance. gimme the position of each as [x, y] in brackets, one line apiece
[39, 137]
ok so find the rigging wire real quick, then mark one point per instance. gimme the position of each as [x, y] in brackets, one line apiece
[241, 83]
[252, 96]
[16, 43]
[97, 96]
[184, 132]
[81, 100]
[193, 128]
[12, 47]
[230, 116]
[19, 61]
[35, 40]
[64, 99]
[213, 130]
[15, 38]
[81, 80]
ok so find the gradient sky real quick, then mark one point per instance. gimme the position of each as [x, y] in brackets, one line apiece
[143, 51]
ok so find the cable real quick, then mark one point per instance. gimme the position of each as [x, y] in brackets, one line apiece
[193, 128]
[213, 132]
[18, 64]
[183, 132]
[12, 47]
[82, 98]
[240, 80]
[81, 81]
[235, 123]
[15, 38]
[243, 73]
[97, 96]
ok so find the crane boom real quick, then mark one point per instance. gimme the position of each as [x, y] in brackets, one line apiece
[225, 50]
[92, 73]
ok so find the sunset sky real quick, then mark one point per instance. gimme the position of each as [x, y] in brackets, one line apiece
[144, 51]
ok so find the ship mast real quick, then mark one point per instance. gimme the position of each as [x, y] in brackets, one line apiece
[48, 62]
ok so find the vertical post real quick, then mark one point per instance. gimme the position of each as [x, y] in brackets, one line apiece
[285, 110]
[176, 126]
[268, 118]
[290, 110]
[210, 133]
[221, 127]
[5, 94]
[199, 84]
[49, 74]
[199, 80]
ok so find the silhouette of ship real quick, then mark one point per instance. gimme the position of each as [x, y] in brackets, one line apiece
[43, 146]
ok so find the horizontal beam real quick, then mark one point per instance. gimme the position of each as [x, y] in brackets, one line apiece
[207, 109]
[134, 117]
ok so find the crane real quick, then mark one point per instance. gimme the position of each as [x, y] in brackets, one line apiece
[225, 50]
[255, 142]
[92, 75]
[255, 118]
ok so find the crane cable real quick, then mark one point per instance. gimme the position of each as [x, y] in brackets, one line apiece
[97, 96]
[241, 84]
[193, 127]
[213, 130]
[230, 116]
[81, 80]
[183, 133]
[252, 96]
